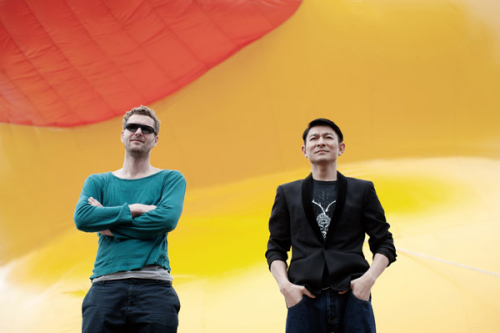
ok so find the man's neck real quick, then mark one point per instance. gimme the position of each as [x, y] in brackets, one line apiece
[134, 168]
[324, 172]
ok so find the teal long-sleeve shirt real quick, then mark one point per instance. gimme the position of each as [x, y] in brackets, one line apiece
[138, 241]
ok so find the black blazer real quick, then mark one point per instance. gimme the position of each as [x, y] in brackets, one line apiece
[357, 212]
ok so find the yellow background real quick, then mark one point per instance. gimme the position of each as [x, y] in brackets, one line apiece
[413, 84]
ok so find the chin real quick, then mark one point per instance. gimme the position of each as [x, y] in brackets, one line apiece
[137, 150]
[323, 161]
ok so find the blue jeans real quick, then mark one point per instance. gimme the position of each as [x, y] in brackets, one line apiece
[331, 312]
[130, 305]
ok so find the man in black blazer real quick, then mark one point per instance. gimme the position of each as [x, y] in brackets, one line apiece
[324, 219]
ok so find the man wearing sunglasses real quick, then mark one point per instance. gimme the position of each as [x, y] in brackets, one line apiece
[132, 210]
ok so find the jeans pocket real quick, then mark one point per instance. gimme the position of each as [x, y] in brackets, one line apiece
[359, 299]
[302, 301]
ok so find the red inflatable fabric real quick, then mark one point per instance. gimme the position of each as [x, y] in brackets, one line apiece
[72, 62]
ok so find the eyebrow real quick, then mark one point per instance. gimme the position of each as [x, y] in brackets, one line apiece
[137, 124]
[319, 134]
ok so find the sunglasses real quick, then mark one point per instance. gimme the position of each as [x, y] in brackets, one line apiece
[145, 129]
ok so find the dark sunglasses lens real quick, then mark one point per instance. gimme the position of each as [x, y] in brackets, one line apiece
[147, 129]
[132, 127]
[144, 128]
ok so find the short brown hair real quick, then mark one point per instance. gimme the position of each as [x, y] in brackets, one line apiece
[142, 110]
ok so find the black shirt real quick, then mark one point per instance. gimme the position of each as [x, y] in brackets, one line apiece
[324, 199]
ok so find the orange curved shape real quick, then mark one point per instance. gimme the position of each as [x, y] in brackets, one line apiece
[79, 62]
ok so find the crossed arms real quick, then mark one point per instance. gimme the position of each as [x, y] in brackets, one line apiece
[137, 220]
[135, 210]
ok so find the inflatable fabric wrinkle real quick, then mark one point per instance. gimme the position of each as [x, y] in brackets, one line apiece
[85, 62]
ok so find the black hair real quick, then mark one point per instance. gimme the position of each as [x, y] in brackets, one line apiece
[323, 122]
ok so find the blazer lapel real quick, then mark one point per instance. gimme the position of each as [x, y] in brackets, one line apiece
[339, 205]
[307, 185]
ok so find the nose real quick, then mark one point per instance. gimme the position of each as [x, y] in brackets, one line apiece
[320, 142]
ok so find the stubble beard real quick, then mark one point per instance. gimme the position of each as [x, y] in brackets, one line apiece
[138, 152]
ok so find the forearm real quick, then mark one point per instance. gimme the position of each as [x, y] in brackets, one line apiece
[379, 264]
[150, 224]
[293, 293]
[280, 273]
[93, 219]
[362, 286]
[140, 232]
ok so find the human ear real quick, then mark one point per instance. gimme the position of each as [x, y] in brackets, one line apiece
[341, 148]
[304, 151]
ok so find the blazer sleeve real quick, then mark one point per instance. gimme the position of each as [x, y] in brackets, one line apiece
[376, 226]
[279, 229]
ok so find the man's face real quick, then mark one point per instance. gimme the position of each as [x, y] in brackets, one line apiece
[137, 142]
[322, 145]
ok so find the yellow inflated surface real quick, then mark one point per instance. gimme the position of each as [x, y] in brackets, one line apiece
[413, 85]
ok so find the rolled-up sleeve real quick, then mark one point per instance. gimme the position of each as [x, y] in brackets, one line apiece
[376, 226]
[279, 229]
